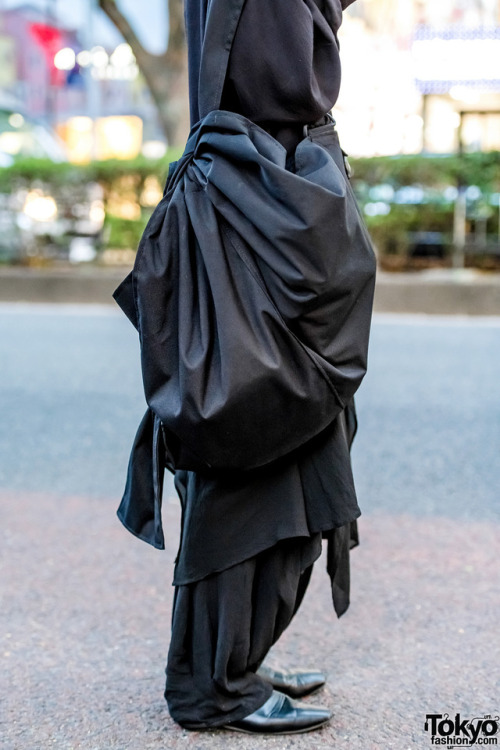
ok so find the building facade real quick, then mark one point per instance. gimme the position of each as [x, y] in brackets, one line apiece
[420, 76]
[33, 82]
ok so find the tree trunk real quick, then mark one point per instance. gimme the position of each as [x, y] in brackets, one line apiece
[165, 75]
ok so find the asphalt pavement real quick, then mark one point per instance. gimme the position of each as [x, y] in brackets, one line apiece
[85, 607]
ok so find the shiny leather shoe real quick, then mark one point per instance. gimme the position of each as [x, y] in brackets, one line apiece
[281, 715]
[296, 684]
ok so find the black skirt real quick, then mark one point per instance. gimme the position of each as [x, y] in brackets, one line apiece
[229, 517]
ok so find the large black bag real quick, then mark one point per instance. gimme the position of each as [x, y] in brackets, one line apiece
[252, 295]
[252, 288]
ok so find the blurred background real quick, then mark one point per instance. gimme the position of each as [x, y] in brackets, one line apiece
[93, 105]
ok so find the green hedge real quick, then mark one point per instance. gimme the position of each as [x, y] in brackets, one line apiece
[391, 232]
[61, 174]
[481, 169]
[123, 234]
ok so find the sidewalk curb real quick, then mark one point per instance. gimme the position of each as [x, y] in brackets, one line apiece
[438, 293]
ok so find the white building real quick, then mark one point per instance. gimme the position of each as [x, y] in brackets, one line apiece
[420, 75]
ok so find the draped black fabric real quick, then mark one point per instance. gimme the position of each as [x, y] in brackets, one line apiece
[253, 286]
[224, 626]
[231, 516]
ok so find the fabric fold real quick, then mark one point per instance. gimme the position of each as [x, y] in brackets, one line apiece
[253, 288]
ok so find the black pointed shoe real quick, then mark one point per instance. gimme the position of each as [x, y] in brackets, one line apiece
[296, 683]
[282, 715]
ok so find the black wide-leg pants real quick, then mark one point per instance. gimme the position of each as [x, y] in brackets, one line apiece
[224, 625]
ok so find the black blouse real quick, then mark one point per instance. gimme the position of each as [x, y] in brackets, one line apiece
[284, 65]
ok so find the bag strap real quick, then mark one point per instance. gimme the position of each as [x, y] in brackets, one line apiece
[222, 22]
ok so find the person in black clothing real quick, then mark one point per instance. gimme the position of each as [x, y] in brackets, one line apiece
[249, 539]
[252, 293]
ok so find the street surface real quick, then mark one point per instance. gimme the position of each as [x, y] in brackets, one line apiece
[85, 607]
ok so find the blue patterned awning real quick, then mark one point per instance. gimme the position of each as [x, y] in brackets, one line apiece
[456, 56]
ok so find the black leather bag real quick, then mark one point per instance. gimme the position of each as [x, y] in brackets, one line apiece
[252, 291]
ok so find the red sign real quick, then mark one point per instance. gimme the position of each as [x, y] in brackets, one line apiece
[50, 39]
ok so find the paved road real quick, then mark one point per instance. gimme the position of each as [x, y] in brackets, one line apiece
[71, 399]
[84, 610]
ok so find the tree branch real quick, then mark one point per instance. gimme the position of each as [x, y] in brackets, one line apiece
[165, 74]
[176, 36]
[122, 24]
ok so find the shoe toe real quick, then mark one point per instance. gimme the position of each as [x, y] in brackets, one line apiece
[310, 680]
[282, 715]
[295, 683]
